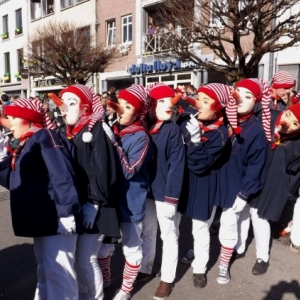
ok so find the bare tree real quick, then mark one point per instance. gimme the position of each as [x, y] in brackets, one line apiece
[238, 32]
[67, 51]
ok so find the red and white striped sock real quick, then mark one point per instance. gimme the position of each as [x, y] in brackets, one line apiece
[104, 264]
[129, 276]
[225, 257]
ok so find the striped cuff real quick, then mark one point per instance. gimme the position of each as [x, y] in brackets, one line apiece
[171, 200]
[244, 197]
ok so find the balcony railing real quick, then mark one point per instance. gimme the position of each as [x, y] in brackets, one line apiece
[160, 42]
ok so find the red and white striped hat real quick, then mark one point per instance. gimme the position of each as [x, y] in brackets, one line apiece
[160, 90]
[221, 93]
[90, 99]
[282, 79]
[261, 92]
[136, 95]
[30, 110]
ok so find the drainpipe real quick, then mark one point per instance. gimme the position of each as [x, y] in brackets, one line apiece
[29, 75]
[272, 56]
[97, 25]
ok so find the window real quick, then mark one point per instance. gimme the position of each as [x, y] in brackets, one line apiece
[7, 67]
[5, 33]
[48, 7]
[127, 29]
[66, 3]
[83, 37]
[111, 33]
[244, 3]
[36, 9]
[19, 25]
[217, 6]
[20, 59]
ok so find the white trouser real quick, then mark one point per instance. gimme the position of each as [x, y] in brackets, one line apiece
[56, 277]
[201, 237]
[131, 242]
[169, 229]
[295, 233]
[234, 232]
[106, 250]
[243, 229]
[90, 280]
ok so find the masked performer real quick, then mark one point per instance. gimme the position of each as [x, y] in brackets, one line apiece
[39, 173]
[96, 173]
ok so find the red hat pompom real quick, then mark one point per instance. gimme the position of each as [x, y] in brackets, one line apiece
[237, 130]
[294, 100]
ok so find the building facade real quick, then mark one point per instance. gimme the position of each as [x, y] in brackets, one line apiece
[83, 12]
[132, 27]
[118, 24]
[13, 31]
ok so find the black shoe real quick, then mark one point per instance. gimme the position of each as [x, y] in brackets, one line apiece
[200, 280]
[141, 277]
[260, 267]
[236, 256]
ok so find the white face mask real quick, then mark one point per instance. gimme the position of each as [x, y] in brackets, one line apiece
[163, 109]
[129, 114]
[206, 107]
[246, 101]
[283, 94]
[289, 123]
[18, 126]
[74, 108]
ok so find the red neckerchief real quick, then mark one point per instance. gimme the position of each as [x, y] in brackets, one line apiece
[16, 152]
[72, 131]
[134, 127]
[207, 128]
[180, 110]
[245, 117]
[155, 127]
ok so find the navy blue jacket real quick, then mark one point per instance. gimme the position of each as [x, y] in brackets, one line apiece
[204, 184]
[96, 177]
[167, 169]
[42, 186]
[133, 153]
[246, 166]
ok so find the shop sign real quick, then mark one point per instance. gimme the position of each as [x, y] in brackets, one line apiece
[46, 82]
[157, 66]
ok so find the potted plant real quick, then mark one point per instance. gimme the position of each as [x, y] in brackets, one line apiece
[6, 77]
[4, 36]
[18, 76]
[18, 30]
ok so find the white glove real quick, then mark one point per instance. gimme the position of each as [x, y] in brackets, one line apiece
[108, 132]
[66, 225]
[3, 143]
[169, 210]
[89, 214]
[193, 128]
[239, 204]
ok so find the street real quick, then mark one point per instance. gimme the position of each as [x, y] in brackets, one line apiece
[17, 270]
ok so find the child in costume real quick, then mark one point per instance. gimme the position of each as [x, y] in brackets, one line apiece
[282, 85]
[39, 173]
[133, 151]
[208, 149]
[283, 178]
[96, 174]
[165, 182]
[247, 166]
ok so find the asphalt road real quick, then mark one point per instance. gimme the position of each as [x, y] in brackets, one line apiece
[17, 270]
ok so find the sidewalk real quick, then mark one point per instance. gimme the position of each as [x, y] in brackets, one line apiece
[281, 282]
